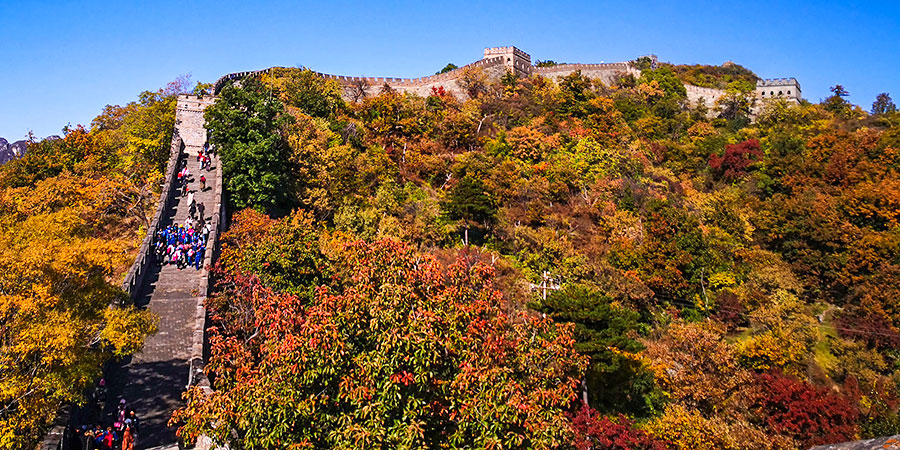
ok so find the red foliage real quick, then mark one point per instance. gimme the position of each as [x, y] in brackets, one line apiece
[810, 414]
[733, 164]
[872, 328]
[438, 91]
[729, 310]
[595, 432]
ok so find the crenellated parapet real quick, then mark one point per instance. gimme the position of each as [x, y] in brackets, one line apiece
[500, 60]
[412, 82]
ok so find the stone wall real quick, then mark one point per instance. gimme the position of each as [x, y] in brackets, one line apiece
[708, 96]
[608, 73]
[189, 119]
[189, 131]
[497, 60]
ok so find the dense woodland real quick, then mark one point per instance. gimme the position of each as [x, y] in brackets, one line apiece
[727, 279]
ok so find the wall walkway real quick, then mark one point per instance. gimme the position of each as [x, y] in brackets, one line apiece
[153, 380]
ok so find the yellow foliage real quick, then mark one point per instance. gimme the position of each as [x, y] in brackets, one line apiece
[787, 339]
[68, 227]
[689, 430]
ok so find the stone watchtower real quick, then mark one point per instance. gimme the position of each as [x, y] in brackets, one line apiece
[517, 61]
[784, 88]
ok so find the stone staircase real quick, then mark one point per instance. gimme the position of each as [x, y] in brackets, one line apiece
[153, 380]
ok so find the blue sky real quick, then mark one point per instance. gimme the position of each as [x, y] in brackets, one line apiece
[62, 61]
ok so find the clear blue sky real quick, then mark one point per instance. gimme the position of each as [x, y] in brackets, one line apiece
[62, 61]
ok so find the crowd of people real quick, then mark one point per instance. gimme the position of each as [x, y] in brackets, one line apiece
[120, 435]
[184, 244]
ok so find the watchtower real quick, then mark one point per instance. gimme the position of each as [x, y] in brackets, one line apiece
[517, 61]
[784, 88]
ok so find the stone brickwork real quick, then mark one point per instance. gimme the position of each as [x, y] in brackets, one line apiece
[494, 68]
[189, 118]
[608, 73]
[515, 60]
[705, 95]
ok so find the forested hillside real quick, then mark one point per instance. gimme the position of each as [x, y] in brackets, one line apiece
[72, 214]
[723, 282]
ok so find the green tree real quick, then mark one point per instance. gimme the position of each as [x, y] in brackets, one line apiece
[576, 90]
[245, 125]
[836, 103]
[606, 332]
[883, 104]
[470, 202]
[447, 68]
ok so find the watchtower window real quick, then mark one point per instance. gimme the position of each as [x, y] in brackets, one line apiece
[789, 92]
[772, 93]
[780, 93]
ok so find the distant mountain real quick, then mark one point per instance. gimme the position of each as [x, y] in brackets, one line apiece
[10, 151]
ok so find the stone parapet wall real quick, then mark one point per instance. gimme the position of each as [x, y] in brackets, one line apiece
[697, 94]
[608, 73]
[431, 80]
[134, 279]
[189, 118]
[218, 225]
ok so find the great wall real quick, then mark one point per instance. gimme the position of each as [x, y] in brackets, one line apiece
[172, 359]
[499, 60]
[153, 380]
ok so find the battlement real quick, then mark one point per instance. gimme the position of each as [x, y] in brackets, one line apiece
[502, 51]
[517, 61]
[421, 81]
[583, 67]
[778, 82]
[784, 88]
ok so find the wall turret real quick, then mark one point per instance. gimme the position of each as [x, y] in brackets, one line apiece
[783, 88]
[517, 61]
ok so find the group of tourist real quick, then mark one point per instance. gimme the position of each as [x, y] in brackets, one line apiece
[120, 435]
[203, 157]
[184, 244]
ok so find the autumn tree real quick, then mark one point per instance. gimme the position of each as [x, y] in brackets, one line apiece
[596, 432]
[305, 90]
[737, 159]
[71, 211]
[400, 352]
[695, 363]
[812, 415]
